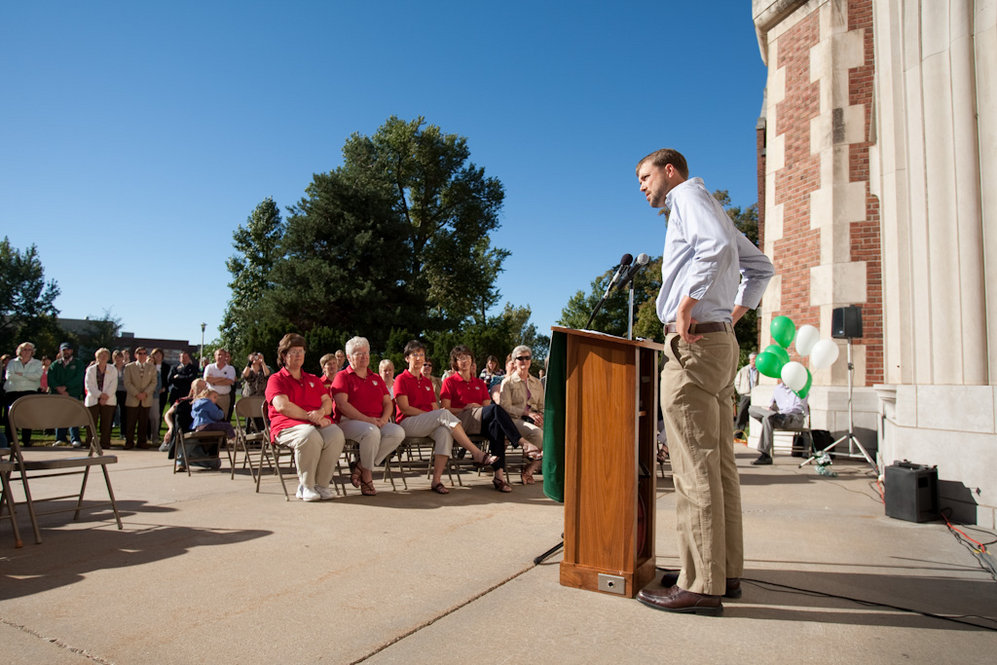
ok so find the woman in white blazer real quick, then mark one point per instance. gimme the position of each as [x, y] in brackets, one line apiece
[101, 382]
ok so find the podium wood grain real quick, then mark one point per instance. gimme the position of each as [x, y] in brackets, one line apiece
[610, 425]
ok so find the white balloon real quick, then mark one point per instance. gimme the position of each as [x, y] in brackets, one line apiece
[794, 375]
[806, 337]
[824, 353]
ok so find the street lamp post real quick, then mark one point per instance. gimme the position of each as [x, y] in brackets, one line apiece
[201, 354]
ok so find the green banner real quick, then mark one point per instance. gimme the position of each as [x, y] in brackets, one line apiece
[554, 414]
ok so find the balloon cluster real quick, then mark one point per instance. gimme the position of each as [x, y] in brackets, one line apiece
[774, 360]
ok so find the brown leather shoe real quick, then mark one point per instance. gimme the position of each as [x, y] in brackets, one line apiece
[674, 599]
[733, 587]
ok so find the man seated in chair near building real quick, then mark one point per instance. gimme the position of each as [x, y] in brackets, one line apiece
[787, 411]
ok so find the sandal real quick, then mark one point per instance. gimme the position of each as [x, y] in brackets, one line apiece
[528, 471]
[486, 460]
[534, 454]
[440, 488]
[355, 471]
[367, 488]
[500, 485]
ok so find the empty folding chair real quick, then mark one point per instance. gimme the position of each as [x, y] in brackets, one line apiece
[41, 412]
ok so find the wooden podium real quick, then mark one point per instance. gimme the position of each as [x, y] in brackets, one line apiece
[610, 428]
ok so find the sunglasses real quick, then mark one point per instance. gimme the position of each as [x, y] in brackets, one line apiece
[524, 358]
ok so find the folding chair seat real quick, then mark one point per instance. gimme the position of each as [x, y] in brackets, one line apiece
[7, 498]
[42, 412]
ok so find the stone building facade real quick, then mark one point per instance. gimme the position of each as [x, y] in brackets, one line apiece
[878, 163]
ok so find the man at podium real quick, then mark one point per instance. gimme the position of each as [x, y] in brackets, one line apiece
[711, 275]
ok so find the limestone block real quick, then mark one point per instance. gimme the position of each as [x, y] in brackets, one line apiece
[956, 408]
[775, 156]
[821, 131]
[935, 30]
[906, 411]
[838, 283]
[776, 86]
[854, 120]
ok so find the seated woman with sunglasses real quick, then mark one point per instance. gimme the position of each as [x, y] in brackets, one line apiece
[522, 396]
[466, 396]
[419, 415]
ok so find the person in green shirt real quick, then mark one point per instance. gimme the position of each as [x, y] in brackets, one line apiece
[65, 377]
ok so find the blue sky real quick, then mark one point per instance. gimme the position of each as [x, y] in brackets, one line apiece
[135, 137]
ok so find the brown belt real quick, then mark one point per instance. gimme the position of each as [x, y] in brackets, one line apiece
[700, 328]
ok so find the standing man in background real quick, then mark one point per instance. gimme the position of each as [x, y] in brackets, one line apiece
[702, 296]
[744, 383]
[65, 377]
[140, 382]
[220, 377]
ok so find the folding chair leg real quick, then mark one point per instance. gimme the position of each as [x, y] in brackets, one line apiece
[31, 510]
[7, 499]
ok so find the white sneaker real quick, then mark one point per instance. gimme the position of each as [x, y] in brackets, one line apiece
[77, 443]
[325, 492]
[297, 495]
[308, 494]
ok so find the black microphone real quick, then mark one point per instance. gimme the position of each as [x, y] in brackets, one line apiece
[625, 262]
[642, 260]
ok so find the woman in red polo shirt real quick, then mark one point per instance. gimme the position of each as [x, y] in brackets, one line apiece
[299, 407]
[363, 407]
[419, 415]
[466, 396]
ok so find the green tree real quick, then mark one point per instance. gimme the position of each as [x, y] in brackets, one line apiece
[448, 207]
[612, 318]
[344, 256]
[101, 332]
[27, 301]
[244, 327]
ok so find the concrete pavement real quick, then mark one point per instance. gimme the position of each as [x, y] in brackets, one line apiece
[207, 571]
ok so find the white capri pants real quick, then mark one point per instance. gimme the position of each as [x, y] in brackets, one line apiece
[375, 444]
[437, 424]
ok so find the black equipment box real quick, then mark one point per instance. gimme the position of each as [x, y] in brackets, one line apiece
[911, 492]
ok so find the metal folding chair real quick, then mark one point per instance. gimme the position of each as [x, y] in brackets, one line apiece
[50, 412]
[248, 430]
[271, 452]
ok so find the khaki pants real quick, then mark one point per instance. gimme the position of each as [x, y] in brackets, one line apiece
[316, 451]
[696, 392]
[374, 443]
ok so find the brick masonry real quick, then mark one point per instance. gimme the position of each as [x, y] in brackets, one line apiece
[799, 247]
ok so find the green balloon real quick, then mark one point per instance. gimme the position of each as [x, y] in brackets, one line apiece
[805, 390]
[769, 364]
[779, 352]
[783, 330]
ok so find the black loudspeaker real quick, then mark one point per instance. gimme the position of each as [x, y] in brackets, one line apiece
[911, 492]
[846, 322]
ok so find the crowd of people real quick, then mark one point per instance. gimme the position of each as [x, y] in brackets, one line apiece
[312, 415]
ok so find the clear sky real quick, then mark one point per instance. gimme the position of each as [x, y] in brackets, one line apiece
[136, 136]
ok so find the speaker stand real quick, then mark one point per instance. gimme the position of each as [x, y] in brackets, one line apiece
[850, 436]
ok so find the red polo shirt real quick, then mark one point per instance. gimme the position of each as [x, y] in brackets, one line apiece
[366, 394]
[461, 392]
[306, 393]
[419, 391]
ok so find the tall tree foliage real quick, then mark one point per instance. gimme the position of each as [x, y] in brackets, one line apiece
[613, 315]
[394, 243]
[448, 207]
[27, 301]
[245, 326]
[345, 259]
